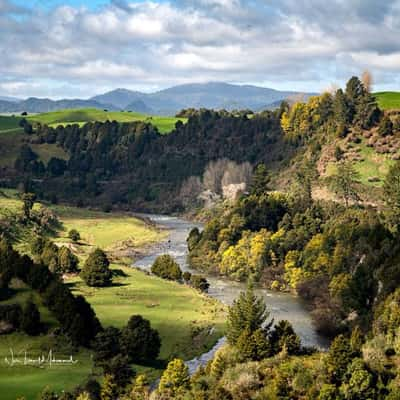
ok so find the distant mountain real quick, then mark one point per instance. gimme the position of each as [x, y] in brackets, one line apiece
[216, 95]
[11, 99]
[120, 98]
[36, 105]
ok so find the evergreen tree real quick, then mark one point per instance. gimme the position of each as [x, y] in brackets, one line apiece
[67, 261]
[391, 189]
[96, 270]
[139, 341]
[248, 312]
[338, 358]
[261, 180]
[175, 379]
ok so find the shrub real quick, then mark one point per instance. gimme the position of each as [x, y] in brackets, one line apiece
[74, 235]
[96, 270]
[199, 283]
[167, 268]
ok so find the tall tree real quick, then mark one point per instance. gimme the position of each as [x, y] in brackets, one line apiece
[344, 182]
[248, 312]
[28, 203]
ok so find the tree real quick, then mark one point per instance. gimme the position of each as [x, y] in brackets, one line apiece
[120, 369]
[248, 312]
[28, 203]
[106, 345]
[109, 389]
[30, 319]
[385, 126]
[344, 182]
[140, 389]
[67, 261]
[261, 180]
[338, 358]
[139, 341]
[74, 235]
[96, 270]
[199, 282]
[283, 336]
[167, 268]
[391, 189]
[175, 379]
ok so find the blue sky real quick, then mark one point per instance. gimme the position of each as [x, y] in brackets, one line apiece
[75, 48]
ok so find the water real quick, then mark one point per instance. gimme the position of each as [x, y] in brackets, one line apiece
[281, 305]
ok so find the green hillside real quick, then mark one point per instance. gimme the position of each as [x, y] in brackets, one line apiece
[388, 100]
[81, 116]
[8, 123]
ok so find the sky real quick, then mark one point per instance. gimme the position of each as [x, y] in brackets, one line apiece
[77, 48]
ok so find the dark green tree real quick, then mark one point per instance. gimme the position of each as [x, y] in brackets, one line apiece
[139, 341]
[96, 271]
[391, 189]
[74, 235]
[261, 180]
[338, 358]
[106, 345]
[248, 312]
[385, 126]
[67, 261]
[167, 268]
[28, 200]
[30, 319]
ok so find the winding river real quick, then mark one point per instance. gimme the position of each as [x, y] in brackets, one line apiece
[281, 305]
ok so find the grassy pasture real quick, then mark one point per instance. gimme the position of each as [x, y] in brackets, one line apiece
[188, 322]
[388, 100]
[81, 116]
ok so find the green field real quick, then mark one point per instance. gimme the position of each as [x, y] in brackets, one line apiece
[81, 116]
[188, 322]
[182, 316]
[388, 100]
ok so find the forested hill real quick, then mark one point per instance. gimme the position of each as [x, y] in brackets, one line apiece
[133, 164]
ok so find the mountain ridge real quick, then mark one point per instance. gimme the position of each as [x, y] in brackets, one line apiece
[213, 95]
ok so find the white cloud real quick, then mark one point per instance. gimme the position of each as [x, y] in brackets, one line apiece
[149, 44]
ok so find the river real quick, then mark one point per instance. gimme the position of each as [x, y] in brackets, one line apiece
[281, 305]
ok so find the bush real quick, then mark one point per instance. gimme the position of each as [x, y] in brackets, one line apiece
[96, 270]
[167, 268]
[74, 235]
[199, 283]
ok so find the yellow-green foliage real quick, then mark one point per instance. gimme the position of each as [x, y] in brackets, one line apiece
[246, 257]
[303, 118]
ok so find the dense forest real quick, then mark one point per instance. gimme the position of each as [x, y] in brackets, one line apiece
[131, 163]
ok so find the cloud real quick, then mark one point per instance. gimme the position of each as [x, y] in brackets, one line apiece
[148, 44]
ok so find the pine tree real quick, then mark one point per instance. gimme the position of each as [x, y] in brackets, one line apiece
[248, 312]
[261, 180]
[339, 357]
